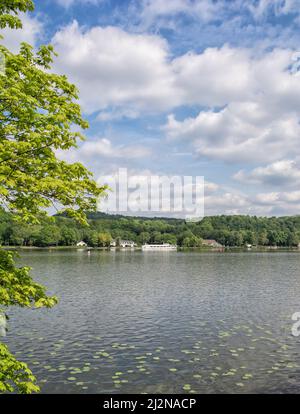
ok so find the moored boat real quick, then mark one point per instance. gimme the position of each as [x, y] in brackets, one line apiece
[164, 246]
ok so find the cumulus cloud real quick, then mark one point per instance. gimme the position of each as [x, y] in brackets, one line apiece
[226, 136]
[279, 203]
[228, 203]
[113, 67]
[279, 173]
[258, 120]
[217, 199]
[214, 77]
[251, 101]
[103, 148]
[261, 204]
[248, 104]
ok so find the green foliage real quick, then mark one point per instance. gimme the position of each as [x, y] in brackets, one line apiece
[18, 288]
[15, 375]
[69, 236]
[192, 241]
[39, 114]
[104, 239]
[48, 235]
[37, 111]
[9, 10]
[228, 230]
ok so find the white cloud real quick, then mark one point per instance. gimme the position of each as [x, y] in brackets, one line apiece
[218, 199]
[31, 31]
[163, 13]
[113, 67]
[262, 204]
[69, 3]
[117, 113]
[152, 10]
[123, 74]
[210, 187]
[259, 121]
[103, 148]
[231, 137]
[228, 203]
[214, 77]
[279, 173]
[283, 200]
[279, 7]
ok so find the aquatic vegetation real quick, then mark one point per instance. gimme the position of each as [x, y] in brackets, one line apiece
[228, 373]
[247, 376]
[212, 362]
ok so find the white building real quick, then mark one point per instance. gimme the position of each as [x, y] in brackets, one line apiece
[127, 243]
[81, 244]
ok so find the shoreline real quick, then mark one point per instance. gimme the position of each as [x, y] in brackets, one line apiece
[139, 248]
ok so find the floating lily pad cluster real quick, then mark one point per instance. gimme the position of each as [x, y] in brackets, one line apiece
[211, 359]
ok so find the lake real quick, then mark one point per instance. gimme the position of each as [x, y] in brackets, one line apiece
[162, 322]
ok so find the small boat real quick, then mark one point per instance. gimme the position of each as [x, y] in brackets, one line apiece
[164, 246]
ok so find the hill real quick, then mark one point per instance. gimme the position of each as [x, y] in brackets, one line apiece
[236, 230]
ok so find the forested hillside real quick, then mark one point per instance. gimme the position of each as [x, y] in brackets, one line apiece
[227, 230]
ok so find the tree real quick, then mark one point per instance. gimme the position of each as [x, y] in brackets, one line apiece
[38, 116]
[263, 238]
[69, 236]
[91, 238]
[292, 239]
[48, 236]
[156, 237]
[184, 237]
[144, 237]
[169, 238]
[192, 241]
[235, 238]
[104, 239]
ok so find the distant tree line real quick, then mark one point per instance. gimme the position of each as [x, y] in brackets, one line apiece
[227, 230]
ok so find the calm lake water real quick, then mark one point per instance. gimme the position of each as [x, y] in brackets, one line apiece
[162, 322]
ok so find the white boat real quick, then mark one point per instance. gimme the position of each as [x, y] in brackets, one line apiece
[164, 246]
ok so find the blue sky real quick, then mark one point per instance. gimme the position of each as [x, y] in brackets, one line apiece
[190, 87]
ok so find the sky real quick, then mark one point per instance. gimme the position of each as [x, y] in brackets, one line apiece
[185, 87]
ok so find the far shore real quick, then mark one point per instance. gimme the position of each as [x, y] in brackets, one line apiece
[139, 248]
